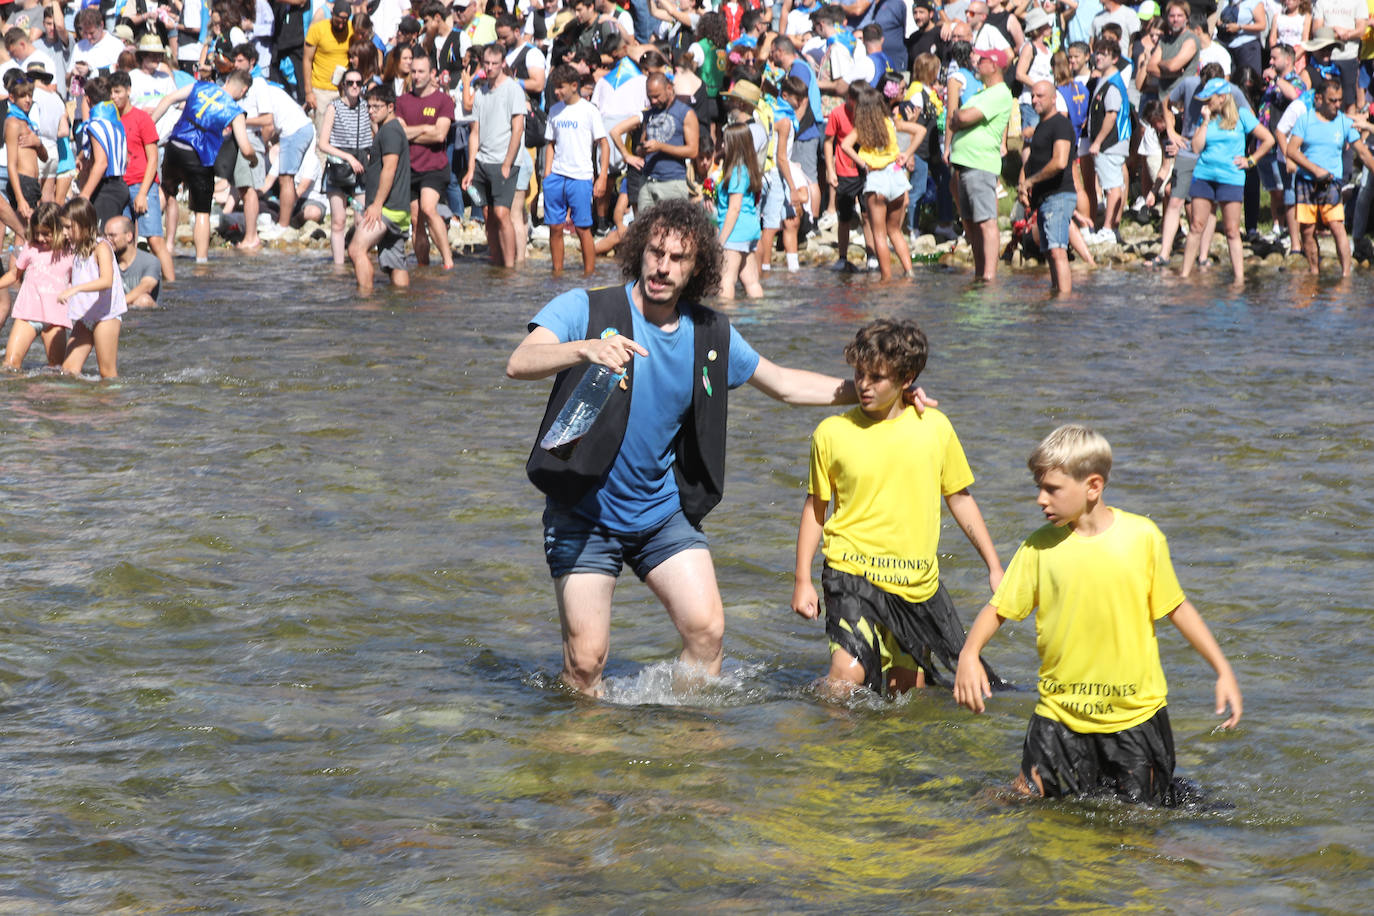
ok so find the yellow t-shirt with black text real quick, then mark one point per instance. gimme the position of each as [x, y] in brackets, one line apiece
[885, 480]
[1098, 599]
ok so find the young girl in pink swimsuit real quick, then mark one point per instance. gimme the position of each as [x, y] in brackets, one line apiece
[45, 266]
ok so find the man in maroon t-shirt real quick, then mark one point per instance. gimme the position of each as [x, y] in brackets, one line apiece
[141, 176]
[426, 112]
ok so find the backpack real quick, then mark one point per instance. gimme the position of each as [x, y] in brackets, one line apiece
[536, 120]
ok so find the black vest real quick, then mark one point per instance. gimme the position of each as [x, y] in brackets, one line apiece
[699, 449]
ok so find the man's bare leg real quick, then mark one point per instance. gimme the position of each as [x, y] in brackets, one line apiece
[584, 610]
[686, 584]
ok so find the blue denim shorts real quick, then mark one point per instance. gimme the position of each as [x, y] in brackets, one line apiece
[150, 221]
[777, 204]
[293, 149]
[1053, 217]
[576, 544]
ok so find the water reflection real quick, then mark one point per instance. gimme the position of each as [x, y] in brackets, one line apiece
[280, 637]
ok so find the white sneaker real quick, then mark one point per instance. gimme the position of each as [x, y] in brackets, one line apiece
[872, 263]
[273, 232]
[827, 220]
[265, 220]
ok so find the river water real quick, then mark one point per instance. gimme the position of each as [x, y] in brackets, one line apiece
[278, 635]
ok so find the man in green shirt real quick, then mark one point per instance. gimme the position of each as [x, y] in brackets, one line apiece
[980, 126]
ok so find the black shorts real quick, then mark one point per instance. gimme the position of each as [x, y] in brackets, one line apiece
[929, 631]
[1136, 764]
[634, 181]
[111, 197]
[181, 165]
[848, 191]
[32, 188]
[434, 179]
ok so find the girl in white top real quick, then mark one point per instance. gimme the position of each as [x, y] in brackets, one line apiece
[1294, 25]
[95, 300]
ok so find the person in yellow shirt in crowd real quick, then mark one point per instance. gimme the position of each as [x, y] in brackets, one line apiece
[326, 53]
[1101, 579]
[474, 21]
[885, 467]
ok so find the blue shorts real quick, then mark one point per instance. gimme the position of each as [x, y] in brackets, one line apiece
[1216, 191]
[1053, 218]
[568, 197]
[150, 221]
[1029, 119]
[777, 203]
[573, 544]
[292, 150]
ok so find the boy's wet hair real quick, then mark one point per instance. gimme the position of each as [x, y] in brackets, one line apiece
[1074, 449]
[896, 349]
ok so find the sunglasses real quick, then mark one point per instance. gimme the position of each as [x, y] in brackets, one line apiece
[353, 82]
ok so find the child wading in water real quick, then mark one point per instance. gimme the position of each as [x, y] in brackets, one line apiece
[95, 300]
[45, 266]
[873, 142]
[737, 212]
[885, 467]
[1101, 579]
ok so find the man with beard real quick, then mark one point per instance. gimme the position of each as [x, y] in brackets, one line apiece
[653, 464]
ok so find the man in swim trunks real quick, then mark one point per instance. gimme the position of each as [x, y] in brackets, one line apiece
[638, 485]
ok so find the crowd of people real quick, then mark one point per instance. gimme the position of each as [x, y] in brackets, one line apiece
[880, 118]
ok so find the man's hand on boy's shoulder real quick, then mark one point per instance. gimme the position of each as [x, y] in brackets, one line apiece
[916, 397]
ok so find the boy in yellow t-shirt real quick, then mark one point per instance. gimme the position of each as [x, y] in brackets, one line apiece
[1101, 578]
[884, 467]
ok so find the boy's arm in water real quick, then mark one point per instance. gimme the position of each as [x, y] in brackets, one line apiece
[805, 601]
[1194, 629]
[541, 354]
[965, 511]
[971, 685]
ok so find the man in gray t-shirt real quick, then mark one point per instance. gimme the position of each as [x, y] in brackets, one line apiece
[140, 271]
[497, 136]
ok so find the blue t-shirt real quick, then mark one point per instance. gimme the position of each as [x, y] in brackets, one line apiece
[1323, 142]
[1216, 162]
[747, 226]
[208, 111]
[640, 491]
[802, 71]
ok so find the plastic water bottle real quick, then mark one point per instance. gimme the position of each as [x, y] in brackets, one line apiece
[580, 411]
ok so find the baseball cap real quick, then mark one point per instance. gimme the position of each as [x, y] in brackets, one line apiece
[997, 55]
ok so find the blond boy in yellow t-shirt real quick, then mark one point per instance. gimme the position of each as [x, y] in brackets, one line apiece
[884, 468]
[1101, 578]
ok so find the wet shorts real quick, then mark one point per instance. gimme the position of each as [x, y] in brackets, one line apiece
[977, 194]
[435, 179]
[847, 192]
[391, 247]
[33, 190]
[880, 629]
[1136, 764]
[496, 190]
[182, 166]
[1318, 201]
[890, 183]
[111, 198]
[568, 198]
[575, 544]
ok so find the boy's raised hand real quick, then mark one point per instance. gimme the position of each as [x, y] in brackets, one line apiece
[1228, 695]
[805, 601]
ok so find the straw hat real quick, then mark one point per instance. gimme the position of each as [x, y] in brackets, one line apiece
[124, 34]
[745, 91]
[1324, 37]
[151, 44]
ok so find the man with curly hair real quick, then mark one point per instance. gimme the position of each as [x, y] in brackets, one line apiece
[637, 486]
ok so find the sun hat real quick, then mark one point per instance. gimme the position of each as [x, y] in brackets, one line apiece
[745, 91]
[37, 70]
[1324, 37]
[1037, 19]
[151, 44]
[124, 33]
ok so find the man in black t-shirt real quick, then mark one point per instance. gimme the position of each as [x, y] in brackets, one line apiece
[288, 44]
[1047, 188]
[386, 221]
